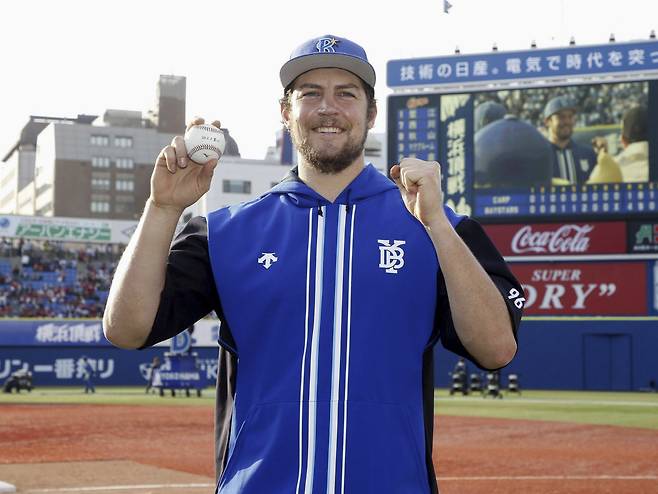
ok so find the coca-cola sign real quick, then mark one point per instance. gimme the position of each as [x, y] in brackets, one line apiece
[559, 239]
[585, 288]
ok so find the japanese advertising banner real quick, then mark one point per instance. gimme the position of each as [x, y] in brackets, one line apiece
[555, 239]
[86, 333]
[592, 288]
[54, 351]
[61, 366]
[527, 64]
[67, 229]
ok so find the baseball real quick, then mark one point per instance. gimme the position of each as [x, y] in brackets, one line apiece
[204, 143]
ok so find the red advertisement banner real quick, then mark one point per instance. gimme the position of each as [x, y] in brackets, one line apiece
[592, 289]
[555, 239]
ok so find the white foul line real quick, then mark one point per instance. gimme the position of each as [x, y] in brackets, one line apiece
[555, 477]
[441, 479]
[123, 487]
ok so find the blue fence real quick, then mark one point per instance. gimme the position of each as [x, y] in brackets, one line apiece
[568, 353]
[578, 353]
[53, 349]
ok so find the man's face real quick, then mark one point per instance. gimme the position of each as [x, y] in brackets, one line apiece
[560, 125]
[328, 118]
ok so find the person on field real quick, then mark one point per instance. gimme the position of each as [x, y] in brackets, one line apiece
[332, 289]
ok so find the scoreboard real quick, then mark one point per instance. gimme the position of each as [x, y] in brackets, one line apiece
[435, 114]
[599, 199]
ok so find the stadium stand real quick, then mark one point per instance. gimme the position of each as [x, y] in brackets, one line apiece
[50, 279]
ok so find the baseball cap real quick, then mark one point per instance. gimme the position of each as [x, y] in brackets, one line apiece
[328, 51]
[558, 103]
[488, 112]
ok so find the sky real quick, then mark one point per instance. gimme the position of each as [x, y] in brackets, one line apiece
[67, 57]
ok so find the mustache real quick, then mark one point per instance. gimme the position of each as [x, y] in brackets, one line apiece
[331, 122]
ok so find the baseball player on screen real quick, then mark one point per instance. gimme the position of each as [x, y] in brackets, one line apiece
[332, 289]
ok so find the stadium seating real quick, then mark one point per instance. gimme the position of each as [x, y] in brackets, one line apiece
[53, 279]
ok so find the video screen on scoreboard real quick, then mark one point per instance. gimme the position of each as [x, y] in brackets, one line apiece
[568, 151]
[562, 136]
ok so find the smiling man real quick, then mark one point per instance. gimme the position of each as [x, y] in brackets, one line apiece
[572, 162]
[330, 292]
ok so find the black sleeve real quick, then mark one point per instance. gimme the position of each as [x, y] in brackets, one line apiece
[189, 291]
[474, 236]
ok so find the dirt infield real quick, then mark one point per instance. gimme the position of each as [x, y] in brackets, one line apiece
[172, 446]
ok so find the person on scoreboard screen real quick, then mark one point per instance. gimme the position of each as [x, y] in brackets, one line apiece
[572, 162]
[329, 291]
[632, 163]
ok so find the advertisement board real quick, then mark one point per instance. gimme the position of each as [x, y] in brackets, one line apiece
[586, 288]
[88, 333]
[62, 366]
[559, 239]
[52, 350]
[551, 63]
[66, 229]
[643, 236]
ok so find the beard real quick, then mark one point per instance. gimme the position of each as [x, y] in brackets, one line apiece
[327, 161]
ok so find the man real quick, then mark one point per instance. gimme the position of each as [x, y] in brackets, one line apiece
[488, 112]
[88, 373]
[329, 291]
[572, 163]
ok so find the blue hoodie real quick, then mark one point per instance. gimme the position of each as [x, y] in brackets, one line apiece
[331, 308]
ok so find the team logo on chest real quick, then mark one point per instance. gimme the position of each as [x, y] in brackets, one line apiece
[391, 256]
[267, 259]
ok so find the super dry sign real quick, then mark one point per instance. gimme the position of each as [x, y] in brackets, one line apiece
[595, 288]
[554, 239]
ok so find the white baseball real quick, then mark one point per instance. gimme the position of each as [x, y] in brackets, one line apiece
[204, 143]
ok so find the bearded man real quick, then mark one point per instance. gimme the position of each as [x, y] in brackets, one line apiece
[326, 369]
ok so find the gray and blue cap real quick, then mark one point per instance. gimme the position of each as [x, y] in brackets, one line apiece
[557, 104]
[328, 51]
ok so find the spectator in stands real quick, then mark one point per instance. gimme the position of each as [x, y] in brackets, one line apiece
[572, 163]
[42, 285]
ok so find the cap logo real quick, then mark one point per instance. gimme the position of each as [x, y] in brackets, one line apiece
[326, 45]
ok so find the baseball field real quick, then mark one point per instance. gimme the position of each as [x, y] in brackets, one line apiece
[121, 440]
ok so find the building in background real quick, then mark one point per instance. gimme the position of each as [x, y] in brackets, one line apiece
[89, 167]
[100, 167]
[17, 169]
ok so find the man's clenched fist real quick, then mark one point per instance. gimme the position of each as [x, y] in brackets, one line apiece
[420, 186]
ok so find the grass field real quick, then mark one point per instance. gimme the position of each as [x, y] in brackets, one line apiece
[601, 408]
[106, 396]
[619, 409]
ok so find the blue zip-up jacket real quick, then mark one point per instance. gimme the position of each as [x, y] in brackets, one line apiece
[329, 316]
[331, 308]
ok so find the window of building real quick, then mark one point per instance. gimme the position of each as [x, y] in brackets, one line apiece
[236, 186]
[123, 141]
[123, 207]
[100, 206]
[125, 163]
[100, 183]
[99, 140]
[125, 185]
[100, 162]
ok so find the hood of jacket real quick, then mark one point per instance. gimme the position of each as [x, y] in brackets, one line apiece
[368, 183]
